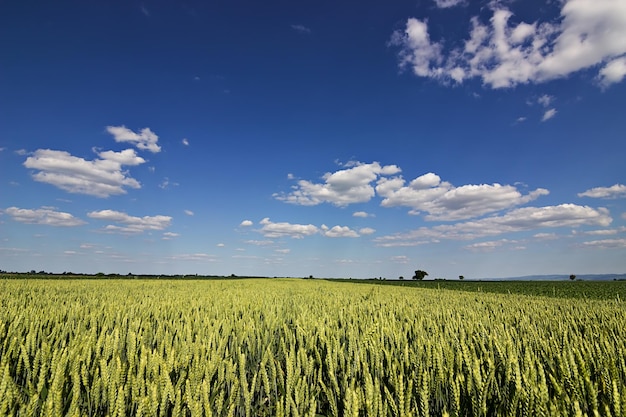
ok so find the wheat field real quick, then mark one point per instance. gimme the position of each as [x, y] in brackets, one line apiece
[287, 347]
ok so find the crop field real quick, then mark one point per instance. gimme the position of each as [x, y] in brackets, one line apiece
[287, 347]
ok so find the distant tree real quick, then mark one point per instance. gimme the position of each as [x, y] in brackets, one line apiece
[572, 277]
[461, 277]
[419, 275]
[401, 277]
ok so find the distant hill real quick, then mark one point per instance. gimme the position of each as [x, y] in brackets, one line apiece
[587, 277]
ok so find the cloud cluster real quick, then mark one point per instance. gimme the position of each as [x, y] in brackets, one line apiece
[274, 230]
[101, 177]
[341, 188]
[45, 216]
[443, 201]
[588, 33]
[127, 224]
[518, 220]
[426, 193]
[283, 229]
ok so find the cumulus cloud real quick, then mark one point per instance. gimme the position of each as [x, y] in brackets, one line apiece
[45, 216]
[188, 212]
[341, 188]
[146, 139]
[518, 220]
[246, 223]
[549, 114]
[100, 177]
[362, 214]
[283, 229]
[588, 33]
[127, 224]
[338, 231]
[185, 141]
[615, 191]
[170, 235]
[443, 201]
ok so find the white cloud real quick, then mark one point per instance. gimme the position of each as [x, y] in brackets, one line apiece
[101, 177]
[443, 201]
[417, 51]
[283, 251]
[367, 231]
[401, 259]
[602, 232]
[343, 187]
[489, 246]
[220, 245]
[301, 29]
[283, 229]
[613, 72]
[518, 220]
[166, 183]
[21, 152]
[130, 224]
[545, 100]
[188, 212]
[146, 139]
[502, 54]
[624, 216]
[185, 142]
[246, 223]
[362, 214]
[45, 216]
[338, 231]
[545, 236]
[520, 119]
[260, 242]
[549, 114]
[201, 257]
[443, 4]
[169, 235]
[614, 191]
[606, 243]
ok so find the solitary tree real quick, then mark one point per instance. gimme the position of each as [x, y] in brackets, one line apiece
[461, 277]
[401, 277]
[419, 275]
[572, 277]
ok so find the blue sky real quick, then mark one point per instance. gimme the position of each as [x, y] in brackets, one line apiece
[324, 138]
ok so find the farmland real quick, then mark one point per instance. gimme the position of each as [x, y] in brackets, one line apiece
[286, 347]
